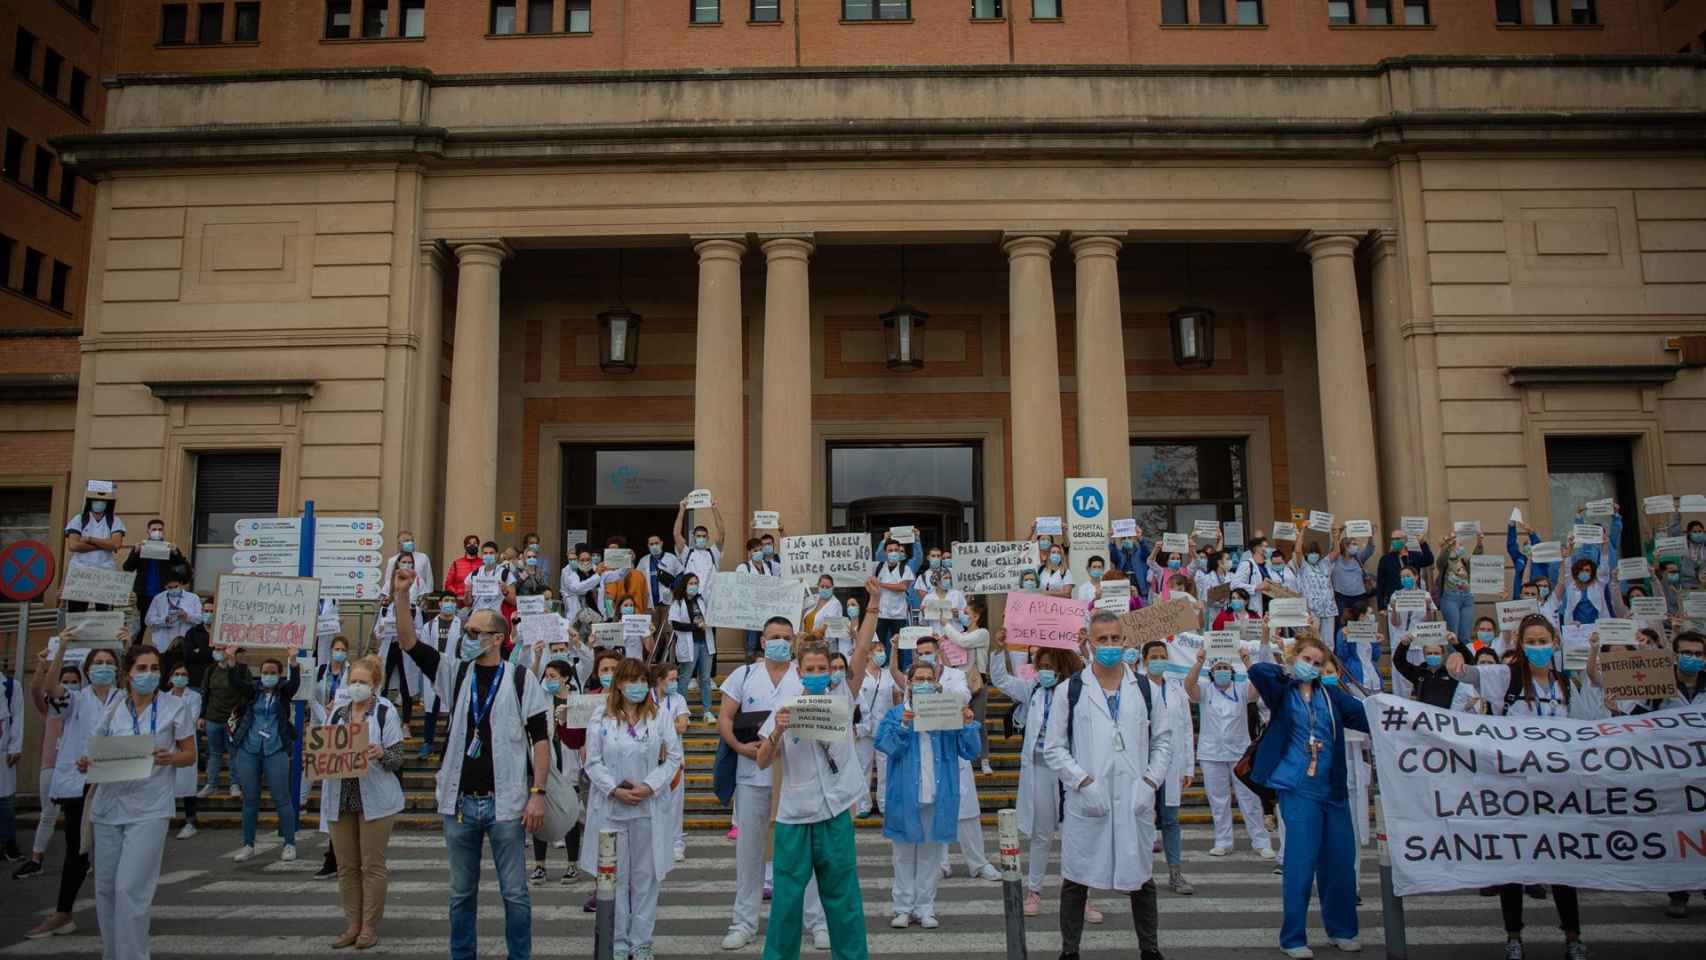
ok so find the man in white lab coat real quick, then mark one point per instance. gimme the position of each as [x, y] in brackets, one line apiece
[1112, 753]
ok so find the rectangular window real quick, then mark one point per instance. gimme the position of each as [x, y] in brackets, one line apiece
[539, 16]
[1341, 11]
[373, 15]
[1579, 469]
[1177, 482]
[1211, 11]
[1045, 9]
[79, 90]
[1545, 13]
[13, 167]
[6, 245]
[68, 189]
[503, 17]
[26, 513]
[52, 64]
[174, 23]
[985, 9]
[210, 23]
[1249, 13]
[1415, 13]
[1175, 11]
[32, 273]
[876, 9]
[577, 16]
[414, 18]
[705, 11]
[1378, 12]
[246, 23]
[24, 54]
[337, 19]
[86, 9]
[42, 172]
[228, 487]
[61, 280]
[936, 486]
[1583, 13]
[1508, 12]
[766, 11]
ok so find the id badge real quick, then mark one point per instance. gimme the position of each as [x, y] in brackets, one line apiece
[1119, 742]
[473, 752]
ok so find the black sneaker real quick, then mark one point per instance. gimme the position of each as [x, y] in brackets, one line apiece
[326, 872]
[31, 868]
[573, 873]
[537, 876]
[1535, 891]
[10, 855]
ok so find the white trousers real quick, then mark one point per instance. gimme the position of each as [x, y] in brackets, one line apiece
[865, 748]
[1220, 785]
[127, 869]
[970, 839]
[917, 867]
[679, 812]
[637, 893]
[1045, 808]
[752, 816]
[49, 813]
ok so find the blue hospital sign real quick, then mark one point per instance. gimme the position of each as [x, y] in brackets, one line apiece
[1087, 502]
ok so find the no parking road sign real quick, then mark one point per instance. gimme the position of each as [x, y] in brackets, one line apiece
[26, 568]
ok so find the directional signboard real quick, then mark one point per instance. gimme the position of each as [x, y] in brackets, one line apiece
[350, 583]
[347, 552]
[324, 524]
[245, 558]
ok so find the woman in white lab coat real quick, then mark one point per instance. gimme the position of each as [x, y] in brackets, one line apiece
[185, 785]
[1225, 704]
[1039, 788]
[1174, 705]
[632, 754]
[878, 692]
[361, 811]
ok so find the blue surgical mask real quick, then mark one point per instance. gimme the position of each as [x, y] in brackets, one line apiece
[1697, 537]
[1538, 656]
[1584, 575]
[98, 506]
[1156, 667]
[1222, 678]
[407, 546]
[1236, 605]
[923, 687]
[471, 646]
[1056, 558]
[1047, 678]
[815, 683]
[1673, 577]
[1690, 663]
[1313, 558]
[778, 650]
[269, 680]
[769, 550]
[1109, 656]
[755, 556]
[552, 686]
[627, 609]
[180, 680]
[1407, 582]
[218, 655]
[1129, 656]
[1096, 573]
[635, 692]
[1028, 585]
[693, 589]
[929, 658]
[144, 683]
[699, 542]
[836, 677]
[339, 656]
[1434, 661]
[880, 658]
[1305, 671]
[655, 549]
[852, 609]
[965, 621]
[489, 559]
[1331, 680]
[1172, 563]
[532, 560]
[103, 674]
[825, 593]
[1485, 636]
[894, 556]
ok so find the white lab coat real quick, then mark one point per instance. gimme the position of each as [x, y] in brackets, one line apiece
[651, 757]
[163, 630]
[1038, 703]
[446, 641]
[581, 591]
[423, 574]
[185, 785]
[509, 752]
[385, 634]
[12, 733]
[381, 791]
[1174, 705]
[1107, 828]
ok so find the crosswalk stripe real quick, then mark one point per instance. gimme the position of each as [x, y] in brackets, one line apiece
[716, 841]
[555, 859]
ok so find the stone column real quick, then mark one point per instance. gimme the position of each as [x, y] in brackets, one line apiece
[719, 384]
[785, 448]
[471, 443]
[1347, 426]
[1399, 466]
[1039, 471]
[1104, 435]
[426, 460]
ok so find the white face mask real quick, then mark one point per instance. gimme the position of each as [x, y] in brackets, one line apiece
[359, 692]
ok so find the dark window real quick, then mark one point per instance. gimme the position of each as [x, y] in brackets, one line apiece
[414, 18]
[24, 54]
[1378, 11]
[174, 23]
[1249, 13]
[503, 16]
[32, 272]
[577, 16]
[539, 16]
[869, 482]
[210, 23]
[1175, 11]
[6, 245]
[1045, 10]
[246, 23]
[67, 189]
[228, 487]
[1177, 482]
[876, 9]
[766, 11]
[705, 11]
[13, 167]
[373, 14]
[1580, 469]
[42, 171]
[1415, 13]
[86, 9]
[337, 19]
[1211, 11]
[1583, 13]
[52, 64]
[1508, 11]
[1341, 11]
[26, 513]
[1545, 12]
[56, 289]
[79, 90]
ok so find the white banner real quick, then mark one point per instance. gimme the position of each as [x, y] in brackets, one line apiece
[844, 556]
[1474, 801]
[744, 601]
[995, 566]
[91, 584]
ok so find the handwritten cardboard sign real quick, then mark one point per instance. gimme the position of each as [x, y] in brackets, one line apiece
[908, 637]
[607, 634]
[1278, 591]
[1661, 504]
[265, 613]
[937, 711]
[1413, 526]
[1160, 621]
[766, 520]
[1428, 632]
[1486, 575]
[1643, 674]
[1232, 533]
[1221, 645]
[88, 583]
[1038, 620]
[1285, 531]
[1219, 593]
[1633, 568]
[336, 752]
[1511, 612]
[996, 566]
[1546, 551]
[745, 601]
[846, 557]
[96, 630]
[697, 499]
[825, 719]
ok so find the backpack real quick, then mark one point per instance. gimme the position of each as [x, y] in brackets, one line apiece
[1075, 689]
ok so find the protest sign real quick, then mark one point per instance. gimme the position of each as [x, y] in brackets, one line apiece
[1232, 533]
[1640, 675]
[95, 630]
[265, 613]
[88, 583]
[903, 535]
[1250, 632]
[1124, 528]
[1648, 608]
[619, 558]
[1175, 543]
[336, 752]
[1218, 594]
[821, 718]
[1691, 503]
[1615, 630]
[1359, 529]
[1086, 522]
[1511, 612]
[1487, 575]
[846, 557]
[118, 759]
[577, 711]
[1116, 596]
[1410, 601]
[1597, 508]
[607, 635]
[573, 539]
[995, 566]
[1285, 531]
[1661, 504]
[1414, 526]
[1321, 521]
[1049, 526]
[155, 550]
[534, 604]
[952, 652]
[744, 601]
[1587, 533]
[1038, 620]
[538, 630]
[937, 711]
[1494, 800]
[487, 590]
[1671, 548]
[936, 609]
[1277, 590]
[1633, 568]
[697, 499]
[1366, 630]
[1429, 631]
[1546, 551]
[1221, 645]
[834, 628]
[1208, 531]
[1575, 659]
[1694, 604]
[636, 627]
[1288, 612]
[766, 520]
[1160, 621]
[1466, 529]
[908, 637]
[1026, 672]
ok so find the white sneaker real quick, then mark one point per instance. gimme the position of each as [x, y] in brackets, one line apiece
[987, 769]
[680, 855]
[204, 792]
[947, 871]
[187, 832]
[246, 852]
[710, 718]
[1219, 851]
[289, 853]
[1352, 945]
[820, 938]
[929, 921]
[692, 686]
[987, 872]
[1298, 953]
[736, 938]
[1266, 853]
[901, 921]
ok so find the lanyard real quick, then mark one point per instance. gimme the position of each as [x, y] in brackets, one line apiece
[1550, 700]
[477, 713]
[334, 679]
[1048, 706]
[1114, 705]
[153, 716]
[1227, 692]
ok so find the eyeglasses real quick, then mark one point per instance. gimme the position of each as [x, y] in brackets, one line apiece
[482, 634]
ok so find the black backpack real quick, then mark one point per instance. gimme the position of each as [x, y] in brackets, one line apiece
[1074, 690]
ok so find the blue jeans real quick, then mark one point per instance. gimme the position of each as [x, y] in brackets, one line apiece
[1320, 852]
[218, 744]
[463, 835]
[431, 732]
[275, 767]
[1167, 819]
[699, 669]
[1458, 606]
[887, 630]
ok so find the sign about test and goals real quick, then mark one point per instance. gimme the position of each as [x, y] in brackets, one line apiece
[1472, 801]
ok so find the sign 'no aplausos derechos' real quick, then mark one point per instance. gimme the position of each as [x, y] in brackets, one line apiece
[1493, 800]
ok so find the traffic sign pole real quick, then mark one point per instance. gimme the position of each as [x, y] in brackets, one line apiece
[304, 568]
[26, 569]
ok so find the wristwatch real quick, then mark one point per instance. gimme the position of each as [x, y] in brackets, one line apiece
[536, 790]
